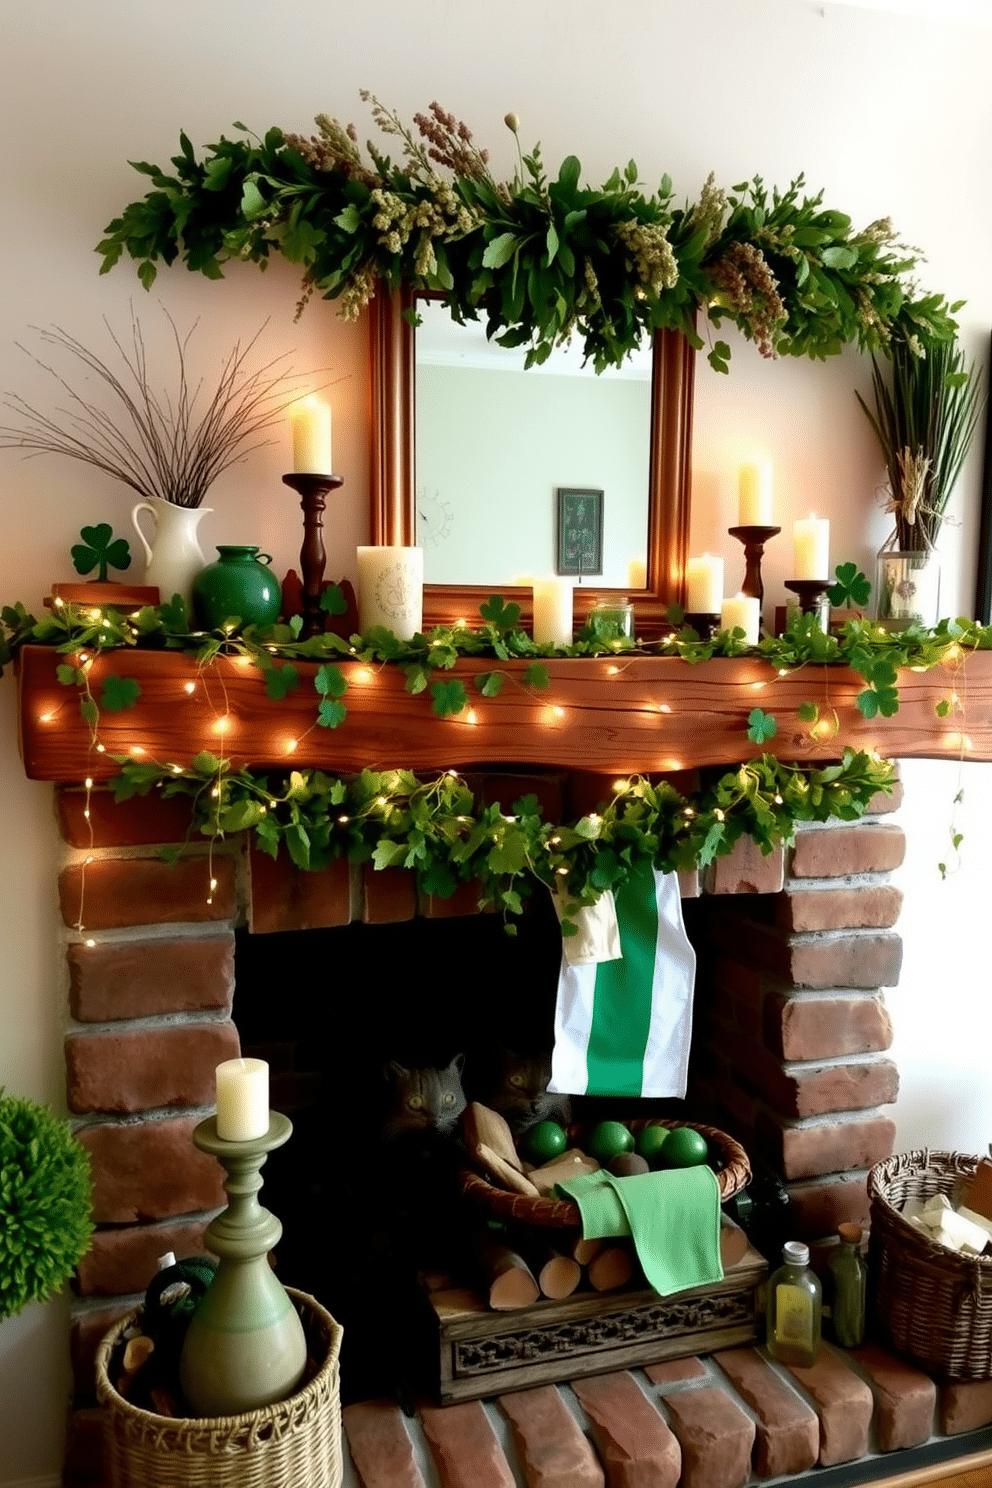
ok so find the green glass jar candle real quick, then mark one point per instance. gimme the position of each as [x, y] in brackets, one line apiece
[238, 584]
[612, 619]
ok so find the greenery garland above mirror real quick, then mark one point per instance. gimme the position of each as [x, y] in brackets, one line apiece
[539, 257]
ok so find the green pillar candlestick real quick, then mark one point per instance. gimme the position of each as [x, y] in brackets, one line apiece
[245, 1346]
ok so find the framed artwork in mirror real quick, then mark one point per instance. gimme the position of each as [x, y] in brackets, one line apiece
[579, 531]
[393, 473]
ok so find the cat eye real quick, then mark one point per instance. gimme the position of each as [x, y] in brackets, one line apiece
[415, 1102]
[516, 1080]
[449, 1099]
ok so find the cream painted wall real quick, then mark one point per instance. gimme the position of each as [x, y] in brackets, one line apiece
[889, 114]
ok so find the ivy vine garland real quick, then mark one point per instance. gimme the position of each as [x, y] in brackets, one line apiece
[391, 818]
[540, 256]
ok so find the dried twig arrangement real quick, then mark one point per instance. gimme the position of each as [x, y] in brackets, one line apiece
[173, 447]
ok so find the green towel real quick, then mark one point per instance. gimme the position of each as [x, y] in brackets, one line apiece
[672, 1216]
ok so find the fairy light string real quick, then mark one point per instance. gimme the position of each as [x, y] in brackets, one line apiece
[435, 827]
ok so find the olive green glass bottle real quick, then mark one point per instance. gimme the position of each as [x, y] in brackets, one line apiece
[848, 1275]
[794, 1308]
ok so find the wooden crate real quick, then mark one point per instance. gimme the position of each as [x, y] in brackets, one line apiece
[489, 1353]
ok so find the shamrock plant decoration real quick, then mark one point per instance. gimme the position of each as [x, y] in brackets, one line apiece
[101, 550]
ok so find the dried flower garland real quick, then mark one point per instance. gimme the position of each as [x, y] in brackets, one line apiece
[541, 258]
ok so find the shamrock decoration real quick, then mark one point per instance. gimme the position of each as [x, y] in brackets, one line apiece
[851, 589]
[100, 549]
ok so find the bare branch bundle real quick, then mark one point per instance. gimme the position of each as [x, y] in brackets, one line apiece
[173, 447]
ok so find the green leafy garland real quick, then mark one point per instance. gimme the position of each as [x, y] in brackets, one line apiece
[391, 818]
[539, 257]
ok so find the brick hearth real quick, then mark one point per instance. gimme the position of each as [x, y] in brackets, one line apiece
[794, 951]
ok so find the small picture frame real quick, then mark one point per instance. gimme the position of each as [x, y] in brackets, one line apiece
[579, 531]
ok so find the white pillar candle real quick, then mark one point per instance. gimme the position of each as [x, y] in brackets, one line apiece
[637, 574]
[391, 589]
[310, 421]
[742, 611]
[811, 539]
[754, 495]
[242, 1099]
[552, 612]
[704, 585]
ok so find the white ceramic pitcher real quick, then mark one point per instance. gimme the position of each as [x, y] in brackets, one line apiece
[174, 558]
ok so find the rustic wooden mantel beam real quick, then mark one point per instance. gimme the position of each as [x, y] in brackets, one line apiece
[635, 714]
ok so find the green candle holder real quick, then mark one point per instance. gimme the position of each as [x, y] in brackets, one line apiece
[245, 1346]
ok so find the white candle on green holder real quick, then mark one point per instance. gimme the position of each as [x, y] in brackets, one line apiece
[754, 491]
[744, 612]
[552, 612]
[704, 585]
[242, 1099]
[811, 540]
[310, 421]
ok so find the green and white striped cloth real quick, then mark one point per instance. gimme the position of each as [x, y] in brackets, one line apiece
[623, 1026]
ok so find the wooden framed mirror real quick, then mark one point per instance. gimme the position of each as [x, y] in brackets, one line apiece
[393, 473]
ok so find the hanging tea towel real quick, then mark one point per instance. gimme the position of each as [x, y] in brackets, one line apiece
[673, 1217]
[622, 1027]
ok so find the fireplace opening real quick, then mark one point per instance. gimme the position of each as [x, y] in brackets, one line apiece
[364, 1212]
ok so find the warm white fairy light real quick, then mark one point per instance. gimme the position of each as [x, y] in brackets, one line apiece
[91, 942]
[222, 725]
[215, 791]
[58, 603]
[134, 749]
[343, 821]
[102, 749]
[189, 687]
[471, 716]
[244, 661]
[688, 811]
[88, 782]
[664, 708]
[621, 785]
[778, 800]
[611, 671]
[291, 745]
[720, 816]
[562, 871]
[176, 769]
[452, 773]
[382, 801]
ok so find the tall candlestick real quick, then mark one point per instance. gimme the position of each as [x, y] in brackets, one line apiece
[704, 585]
[310, 420]
[811, 539]
[754, 508]
[242, 1099]
[742, 611]
[552, 612]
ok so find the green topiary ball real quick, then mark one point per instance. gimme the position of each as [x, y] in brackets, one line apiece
[45, 1191]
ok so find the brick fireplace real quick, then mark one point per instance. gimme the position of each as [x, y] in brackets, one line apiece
[791, 1029]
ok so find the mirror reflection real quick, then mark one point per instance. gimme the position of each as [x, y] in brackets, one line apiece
[495, 445]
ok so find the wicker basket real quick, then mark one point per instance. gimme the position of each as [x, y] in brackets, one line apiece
[734, 1171]
[934, 1305]
[286, 1445]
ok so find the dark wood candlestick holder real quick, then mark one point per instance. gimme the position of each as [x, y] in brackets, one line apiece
[812, 594]
[703, 623]
[753, 539]
[312, 489]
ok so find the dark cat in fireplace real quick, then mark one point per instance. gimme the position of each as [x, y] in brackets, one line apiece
[420, 1202]
[517, 1087]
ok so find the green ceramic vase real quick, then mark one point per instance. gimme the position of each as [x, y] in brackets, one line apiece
[238, 584]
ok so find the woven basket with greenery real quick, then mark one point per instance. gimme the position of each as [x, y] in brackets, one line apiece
[293, 1443]
[933, 1305]
[727, 1158]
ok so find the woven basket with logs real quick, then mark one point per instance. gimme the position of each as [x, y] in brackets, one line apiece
[726, 1157]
